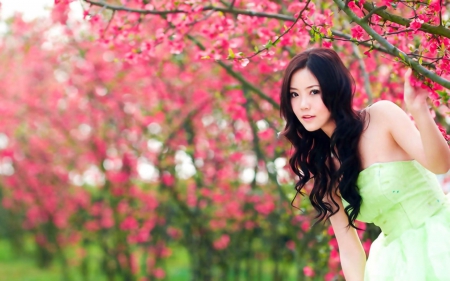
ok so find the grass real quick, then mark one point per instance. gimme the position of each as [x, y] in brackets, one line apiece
[23, 267]
[14, 267]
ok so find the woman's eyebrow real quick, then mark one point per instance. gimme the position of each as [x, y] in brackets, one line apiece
[306, 87]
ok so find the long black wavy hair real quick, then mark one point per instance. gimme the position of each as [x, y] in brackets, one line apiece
[313, 151]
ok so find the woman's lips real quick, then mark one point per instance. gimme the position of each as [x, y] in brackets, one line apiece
[308, 117]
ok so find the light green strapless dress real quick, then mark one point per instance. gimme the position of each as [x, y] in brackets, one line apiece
[406, 201]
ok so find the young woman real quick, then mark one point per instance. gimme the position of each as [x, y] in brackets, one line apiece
[372, 165]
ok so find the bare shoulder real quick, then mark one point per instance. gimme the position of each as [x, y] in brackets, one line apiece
[384, 107]
[385, 113]
[389, 135]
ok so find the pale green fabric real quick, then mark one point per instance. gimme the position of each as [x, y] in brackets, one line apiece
[406, 201]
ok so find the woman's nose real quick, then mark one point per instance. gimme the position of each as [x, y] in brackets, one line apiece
[304, 103]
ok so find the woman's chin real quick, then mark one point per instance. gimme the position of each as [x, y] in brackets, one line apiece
[310, 128]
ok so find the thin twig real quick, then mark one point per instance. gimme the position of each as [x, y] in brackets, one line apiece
[394, 51]
[109, 22]
[362, 67]
[205, 8]
[371, 12]
[284, 33]
[438, 30]
[239, 77]
[369, 6]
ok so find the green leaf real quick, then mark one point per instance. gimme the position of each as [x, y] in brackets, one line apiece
[420, 60]
[401, 55]
[442, 94]
[256, 49]
[316, 36]
[231, 54]
[329, 33]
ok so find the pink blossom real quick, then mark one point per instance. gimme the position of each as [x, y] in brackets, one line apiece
[327, 44]
[222, 242]
[265, 207]
[355, 8]
[305, 226]
[435, 6]
[250, 225]
[366, 245]
[140, 237]
[443, 132]
[361, 225]
[129, 223]
[167, 179]
[290, 245]
[60, 219]
[164, 251]
[217, 224]
[61, 11]
[244, 62]
[416, 24]
[357, 32]
[330, 230]
[330, 276]
[308, 271]
[91, 226]
[266, 134]
[333, 243]
[174, 233]
[159, 273]
[107, 221]
[334, 260]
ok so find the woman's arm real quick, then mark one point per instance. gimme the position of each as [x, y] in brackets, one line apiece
[351, 252]
[424, 143]
[437, 153]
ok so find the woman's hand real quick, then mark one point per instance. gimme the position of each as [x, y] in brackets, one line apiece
[431, 150]
[415, 96]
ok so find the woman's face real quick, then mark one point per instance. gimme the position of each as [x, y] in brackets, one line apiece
[307, 104]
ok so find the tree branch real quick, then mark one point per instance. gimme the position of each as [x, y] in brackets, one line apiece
[369, 7]
[239, 77]
[391, 48]
[362, 67]
[365, 44]
[371, 12]
[257, 146]
[437, 30]
[205, 8]
[284, 33]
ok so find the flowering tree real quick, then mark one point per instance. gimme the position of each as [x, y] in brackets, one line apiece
[415, 33]
[153, 129]
[377, 40]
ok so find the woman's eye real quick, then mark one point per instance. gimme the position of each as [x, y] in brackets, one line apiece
[315, 92]
[293, 95]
